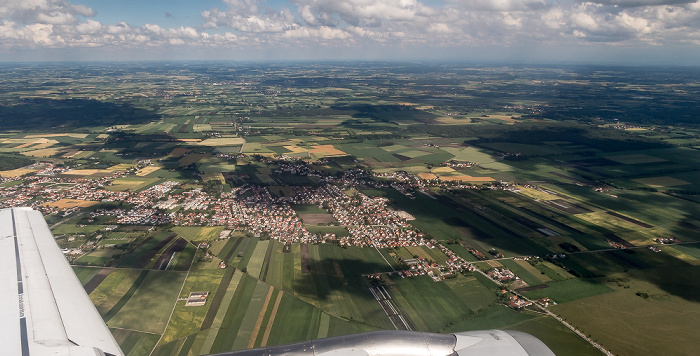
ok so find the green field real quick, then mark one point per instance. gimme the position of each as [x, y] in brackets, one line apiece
[637, 318]
[85, 274]
[134, 343]
[335, 283]
[144, 251]
[100, 257]
[132, 184]
[521, 272]
[339, 231]
[308, 209]
[570, 290]
[114, 288]
[472, 292]
[149, 308]
[199, 234]
[71, 229]
[437, 309]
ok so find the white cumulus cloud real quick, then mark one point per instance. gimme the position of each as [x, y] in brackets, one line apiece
[357, 23]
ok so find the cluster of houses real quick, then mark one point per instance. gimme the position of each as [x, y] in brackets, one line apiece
[502, 274]
[369, 220]
[420, 266]
[518, 302]
[666, 240]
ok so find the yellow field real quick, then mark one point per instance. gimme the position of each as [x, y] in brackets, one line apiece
[494, 264]
[88, 172]
[46, 152]
[538, 194]
[16, 172]
[83, 154]
[426, 176]
[35, 142]
[295, 149]
[30, 143]
[680, 255]
[147, 170]
[214, 176]
[442, 170]
[99, 172]
[327, 150]
[119, 167]
[101, 136]
[507, 118]
[44, 145]
[224, 141]
[76, 135]
[658, 182]
[449, 120]
[467, 178]
[71, 203]
[17, 140]
[71, 153]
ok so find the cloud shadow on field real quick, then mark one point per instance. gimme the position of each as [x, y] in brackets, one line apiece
[37, 114]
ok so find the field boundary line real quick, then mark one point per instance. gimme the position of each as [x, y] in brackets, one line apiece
[261, 316]
[174, 307]
[134, 330]
[268, 329]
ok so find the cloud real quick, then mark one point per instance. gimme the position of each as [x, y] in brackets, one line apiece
[55, 18]
[89, 27]
[323, 33]
[357, 12]
[55, 12]
[501, 5]
[244, 15]
[83, 10]
[637, 3]
[356, 24]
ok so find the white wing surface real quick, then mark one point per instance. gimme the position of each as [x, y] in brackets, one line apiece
[44, 308]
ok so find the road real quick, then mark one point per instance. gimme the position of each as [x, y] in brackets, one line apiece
[550, 313]
[69, 217]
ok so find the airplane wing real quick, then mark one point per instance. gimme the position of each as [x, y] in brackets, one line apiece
[411, 343]
[44, 310]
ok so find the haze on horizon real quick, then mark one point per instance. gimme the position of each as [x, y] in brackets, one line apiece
[665, 32]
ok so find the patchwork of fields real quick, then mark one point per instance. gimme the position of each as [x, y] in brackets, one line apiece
[248, 181]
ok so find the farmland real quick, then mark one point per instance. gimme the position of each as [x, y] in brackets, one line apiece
[292, 193]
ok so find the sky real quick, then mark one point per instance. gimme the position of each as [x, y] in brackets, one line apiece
[660, 32]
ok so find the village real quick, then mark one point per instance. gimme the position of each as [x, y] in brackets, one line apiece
[369, 221]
